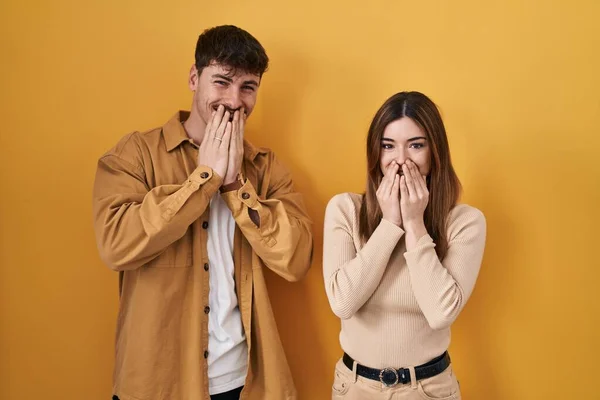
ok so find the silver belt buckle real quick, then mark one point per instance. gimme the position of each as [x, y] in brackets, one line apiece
[386, 371]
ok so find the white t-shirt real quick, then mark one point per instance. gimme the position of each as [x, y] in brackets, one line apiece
[227, 348]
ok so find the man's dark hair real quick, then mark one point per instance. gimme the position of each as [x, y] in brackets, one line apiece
[231, 47]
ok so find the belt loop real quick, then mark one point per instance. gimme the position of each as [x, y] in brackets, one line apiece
[413, 378]
[354, 364]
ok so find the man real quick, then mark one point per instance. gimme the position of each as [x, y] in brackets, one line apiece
[191, 214]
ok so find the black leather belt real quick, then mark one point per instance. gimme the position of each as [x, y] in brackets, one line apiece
[392, 376]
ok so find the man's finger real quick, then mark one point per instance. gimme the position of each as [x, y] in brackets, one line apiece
[216, 120]
[226, 136]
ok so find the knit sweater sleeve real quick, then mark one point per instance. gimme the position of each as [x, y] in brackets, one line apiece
[442, 288]
[351, 276]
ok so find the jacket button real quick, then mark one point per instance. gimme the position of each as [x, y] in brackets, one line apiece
[204, 175]
[205, 225]
[245, 196]
[206, 310]
[206, 266]
[206, 354]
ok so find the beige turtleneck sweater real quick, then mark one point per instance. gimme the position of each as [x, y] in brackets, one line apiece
[397, 306]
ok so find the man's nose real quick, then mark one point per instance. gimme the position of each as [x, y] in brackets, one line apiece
[232, 101]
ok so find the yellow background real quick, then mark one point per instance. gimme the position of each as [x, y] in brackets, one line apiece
[518, 83]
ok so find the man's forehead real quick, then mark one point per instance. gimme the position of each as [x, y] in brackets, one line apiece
[231, 72]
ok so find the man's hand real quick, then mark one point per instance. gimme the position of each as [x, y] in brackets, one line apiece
[214, 149]
[236, 147]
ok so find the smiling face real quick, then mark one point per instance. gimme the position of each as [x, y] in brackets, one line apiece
[219, 85]
[403, 139]
[409, 126]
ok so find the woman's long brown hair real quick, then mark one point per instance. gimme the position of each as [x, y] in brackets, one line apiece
[443, 184]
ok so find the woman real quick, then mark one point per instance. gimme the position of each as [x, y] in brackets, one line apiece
[401, 260]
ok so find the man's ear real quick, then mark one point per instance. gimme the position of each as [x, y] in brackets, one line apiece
[194, 78]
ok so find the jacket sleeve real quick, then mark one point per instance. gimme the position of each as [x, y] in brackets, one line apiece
[134, 223]
[281, 231]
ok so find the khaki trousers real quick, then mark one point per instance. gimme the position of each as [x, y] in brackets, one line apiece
[349, 386]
